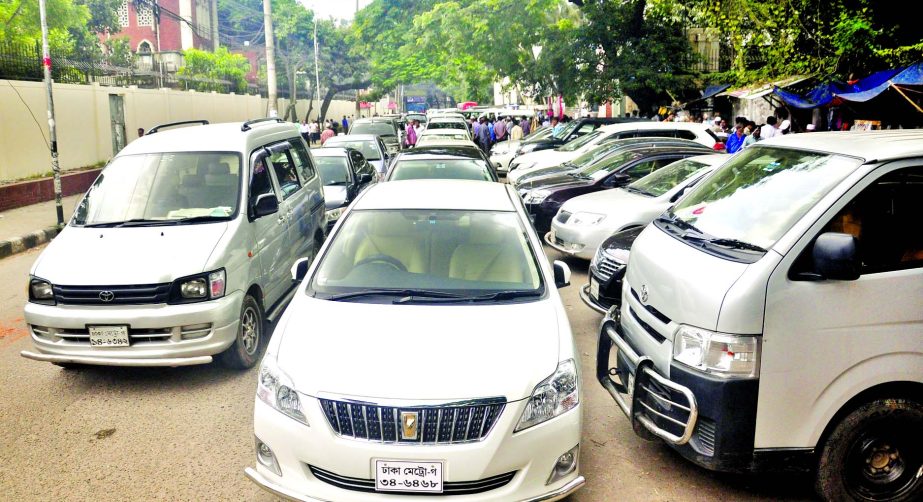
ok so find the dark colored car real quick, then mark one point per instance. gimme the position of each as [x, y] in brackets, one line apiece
[442, 162]
[543, 199]
[572, 130]
[345, 174]
[607, 270]
[605, 149]
[388, 129]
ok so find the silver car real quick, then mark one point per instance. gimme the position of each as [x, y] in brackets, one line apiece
[180, 251]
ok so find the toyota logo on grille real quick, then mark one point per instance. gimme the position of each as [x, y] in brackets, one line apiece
[106, 296]
[643, 293]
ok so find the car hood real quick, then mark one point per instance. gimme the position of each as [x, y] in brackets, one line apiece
[81, 256]
[559, 181]
[609, 202]
[533, 175]
[418, 352]
[334, 196]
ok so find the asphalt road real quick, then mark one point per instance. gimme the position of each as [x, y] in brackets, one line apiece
[186, 433]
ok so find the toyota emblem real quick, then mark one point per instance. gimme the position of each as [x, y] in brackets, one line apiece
[106, 296]
[643, 293]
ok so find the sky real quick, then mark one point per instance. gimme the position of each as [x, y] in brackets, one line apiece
[339, 9]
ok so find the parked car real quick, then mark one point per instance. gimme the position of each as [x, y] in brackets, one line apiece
[571, 131]
[440, 281]
[345, 174]
[603, 289]
[445, 133]
[451, 123]
[176, 252]
[420, 117]
[440, 162]
[503, 152]
[699, 133]
[770, 320]
[585, 221]
[442, 140]
[387, 129]
[373, 149]
[598, 153]
[543, 199]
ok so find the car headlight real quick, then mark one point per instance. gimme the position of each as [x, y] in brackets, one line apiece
[334, 214]
[586, 218]
[525, 165]
[554, 396]
[720, 354]
[275, 388]
[207, 286]
[40, 291]
[500, 149]
[536, 196]
[525, 148]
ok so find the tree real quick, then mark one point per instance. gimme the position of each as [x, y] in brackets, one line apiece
[206, 69]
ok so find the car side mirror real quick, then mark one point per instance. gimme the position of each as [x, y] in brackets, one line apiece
[835, 256]
[561, 274]
[300, 269]
[364, 178]
[617, 180]
[265, 204]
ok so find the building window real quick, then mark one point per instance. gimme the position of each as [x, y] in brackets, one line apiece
[144, 47]
[145, 13]
[123, 14]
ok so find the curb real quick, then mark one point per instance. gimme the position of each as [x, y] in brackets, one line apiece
[28, 241]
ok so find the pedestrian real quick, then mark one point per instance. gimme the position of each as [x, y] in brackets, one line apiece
[500, 130]
[305, 131]
[314, 132]
[327, 134]
[140, 132]
[483, 135]
[556, 127]
[475, 127]
[736, 139]
[754, 135]
[769, 130]
[410, 136]
[345, 123]
[493, 133]
[516, 131]
[526, 126]
[785, 125]
[418, 128]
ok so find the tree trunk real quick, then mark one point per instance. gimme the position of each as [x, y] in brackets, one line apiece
[292, 93]
[333, 89]
[307, 115]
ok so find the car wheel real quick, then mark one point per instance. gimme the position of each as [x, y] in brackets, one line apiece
[875, 453]
[248, 346]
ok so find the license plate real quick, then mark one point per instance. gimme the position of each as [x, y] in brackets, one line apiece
[404, 476]
[108, 336]
[594, 288]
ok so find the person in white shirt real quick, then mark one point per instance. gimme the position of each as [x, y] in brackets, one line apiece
[418, 128]
[303, 129]
[313, 132]
[770, 130]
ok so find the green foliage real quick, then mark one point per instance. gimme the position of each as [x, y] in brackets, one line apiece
[212, 66]
[118, 51]
[72, 24]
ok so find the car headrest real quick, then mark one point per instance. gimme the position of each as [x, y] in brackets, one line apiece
[220, 168]
[193, 180]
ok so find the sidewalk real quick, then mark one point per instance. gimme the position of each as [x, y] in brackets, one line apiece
[26, 227]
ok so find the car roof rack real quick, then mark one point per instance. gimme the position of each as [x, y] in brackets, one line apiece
[173, 124]
[246, 125]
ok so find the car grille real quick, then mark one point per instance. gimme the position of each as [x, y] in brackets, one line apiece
[448, 487]
[647, 327]
[664, 407]
[606, 267]
[454, 423]
[117, 295]
[82, 336]
[704, 436]
[654, 312]
[563, 216]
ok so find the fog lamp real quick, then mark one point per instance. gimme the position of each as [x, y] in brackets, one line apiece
[266, 457]
[566, 464]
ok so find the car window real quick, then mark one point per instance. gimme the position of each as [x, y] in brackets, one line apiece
[884, 218]
[303, 163]
[260, 180]
[368, 147]
[333, 170]
[470, 252]
[284, 169]
[461, 169]
[661, 133]
[378, 128]
[663, 180]
[682, 133]
[446, 125]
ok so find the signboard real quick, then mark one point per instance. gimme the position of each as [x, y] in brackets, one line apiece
[365, 104]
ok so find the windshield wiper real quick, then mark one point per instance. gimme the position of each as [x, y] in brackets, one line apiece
[391, 292]
[638, 190]
[685, 225]
[127, 223]
[735, 244]
[499, 295]
[336, 183]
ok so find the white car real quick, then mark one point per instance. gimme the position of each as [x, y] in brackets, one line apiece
[456, 372]
[451, 123]
[445, 133]
[700, 133]
[584, 222]
[502, 153]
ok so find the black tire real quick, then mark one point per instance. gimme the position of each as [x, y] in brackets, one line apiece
[247, 348]
[874, 453]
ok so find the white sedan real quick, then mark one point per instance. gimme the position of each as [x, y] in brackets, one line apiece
[584, 222]
[426, 352]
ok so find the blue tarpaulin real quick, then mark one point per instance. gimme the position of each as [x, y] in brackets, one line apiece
[861, 91]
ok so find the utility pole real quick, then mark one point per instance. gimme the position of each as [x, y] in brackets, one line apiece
[316, 71]
[357, 90]
[270, 59]
[52, 134]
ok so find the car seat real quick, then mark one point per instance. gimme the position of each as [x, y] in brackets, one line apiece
[487, 255]
[391, 234]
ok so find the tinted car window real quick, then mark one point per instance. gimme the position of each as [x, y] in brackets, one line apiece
[284, 168]
[463, 169]
[685, 134]
[378, 128]
[368, 147]
[333, 170]
[302, 160]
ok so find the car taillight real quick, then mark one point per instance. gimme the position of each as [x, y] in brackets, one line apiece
[719, 146]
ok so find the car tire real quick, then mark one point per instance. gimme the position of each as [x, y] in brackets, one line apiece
[874, 453]
[248, 346]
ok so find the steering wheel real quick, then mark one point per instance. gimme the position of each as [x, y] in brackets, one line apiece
[383, 258]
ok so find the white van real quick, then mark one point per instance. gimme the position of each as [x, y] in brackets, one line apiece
[773, 319]
[180, 250]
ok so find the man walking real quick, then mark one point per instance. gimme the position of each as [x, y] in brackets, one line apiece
[327, 134]
[500, 130]
[305, 131]
[526, 126]
[516, 131]
[483, 135]
[769, 130]
[345, 124]
[313, 132]
[736, 139]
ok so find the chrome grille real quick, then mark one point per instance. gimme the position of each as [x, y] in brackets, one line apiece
[606, 266]
[448, 487]
[82, 335]
[451, 423]
[120, 295]
[563, 216]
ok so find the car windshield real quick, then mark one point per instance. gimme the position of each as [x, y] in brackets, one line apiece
[444, 136]
[457, 169]
[368, 147]
[333, 170]
[446, 125]
[566, 130]
[761, 192]
[540, 133]
[663, 180]
[593, 155]
[602, 167]
[470, 252]
[163, 188]
[581, 141]
[376, 128]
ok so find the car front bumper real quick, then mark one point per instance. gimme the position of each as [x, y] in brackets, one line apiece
[501, 161]
[530, 453]
[159, 334]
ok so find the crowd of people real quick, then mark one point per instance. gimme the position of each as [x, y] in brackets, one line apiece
[313, 133]
[488, 131]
